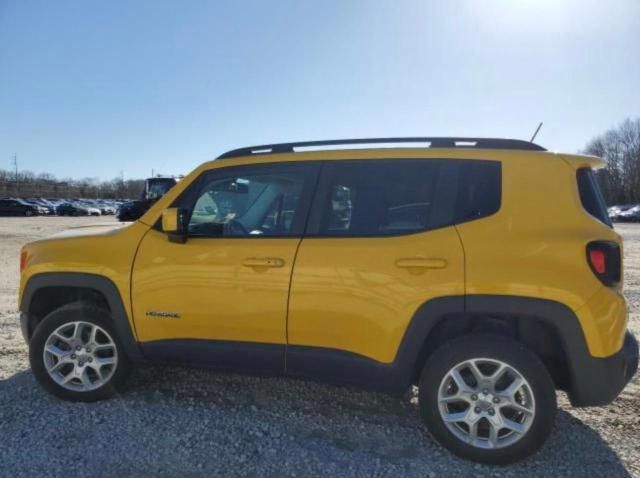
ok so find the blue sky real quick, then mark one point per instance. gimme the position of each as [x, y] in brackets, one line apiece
[92, 88]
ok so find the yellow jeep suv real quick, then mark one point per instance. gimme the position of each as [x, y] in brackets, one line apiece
[484, 271]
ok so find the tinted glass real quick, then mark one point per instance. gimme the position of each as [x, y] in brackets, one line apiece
[479, 190]
[591, 196]
[260, 201]
[393, 197]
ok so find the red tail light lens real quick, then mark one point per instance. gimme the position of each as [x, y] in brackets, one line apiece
[598, 261]
[605, 261]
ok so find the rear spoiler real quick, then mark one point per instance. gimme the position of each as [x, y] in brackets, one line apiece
[579, 161]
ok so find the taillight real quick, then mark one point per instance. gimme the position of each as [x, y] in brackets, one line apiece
[605, 261]
[598, 261]
[23, 260]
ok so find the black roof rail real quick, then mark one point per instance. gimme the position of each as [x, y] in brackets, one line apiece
[434, 142]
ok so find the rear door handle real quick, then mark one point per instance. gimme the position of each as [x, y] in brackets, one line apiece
[421, 262]
[263, 262]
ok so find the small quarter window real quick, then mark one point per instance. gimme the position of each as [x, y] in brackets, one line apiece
[479, 190]
[591, 196]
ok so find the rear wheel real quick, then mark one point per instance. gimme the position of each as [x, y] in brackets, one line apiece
[487, 398]
[76, 355]
[28, 213]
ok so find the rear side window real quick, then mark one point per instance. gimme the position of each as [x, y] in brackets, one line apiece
[591, 196]
[403, 196]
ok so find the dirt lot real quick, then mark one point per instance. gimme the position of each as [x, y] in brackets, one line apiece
[177, 422]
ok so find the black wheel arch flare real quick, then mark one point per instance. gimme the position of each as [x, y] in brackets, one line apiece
[96, 282]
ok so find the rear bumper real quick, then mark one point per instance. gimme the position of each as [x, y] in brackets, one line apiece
[600, 380]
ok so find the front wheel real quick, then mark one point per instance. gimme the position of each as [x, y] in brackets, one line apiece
[76, 355]
[487, 398]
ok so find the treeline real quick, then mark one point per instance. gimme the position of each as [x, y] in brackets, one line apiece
[29, 184]
[619, 180]
[620, 147]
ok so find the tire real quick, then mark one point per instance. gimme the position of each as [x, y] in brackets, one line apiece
[28, 213]
[536, 394]
[105, 380]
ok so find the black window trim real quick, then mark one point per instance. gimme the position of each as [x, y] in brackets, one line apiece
[188, 197]
[323, 191]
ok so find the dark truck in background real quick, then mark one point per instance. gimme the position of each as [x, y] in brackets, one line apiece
[154, 189]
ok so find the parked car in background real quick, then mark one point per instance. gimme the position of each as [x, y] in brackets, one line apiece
[50, 208]
[18, 207]
[63, 207]
[92, 209]
[42, 210]
[49, 204]
[72, 208]
[631, 214]
[106, 207]
[57, 202]
[616, 211]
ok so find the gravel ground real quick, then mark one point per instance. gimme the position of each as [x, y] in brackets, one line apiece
[188, 423]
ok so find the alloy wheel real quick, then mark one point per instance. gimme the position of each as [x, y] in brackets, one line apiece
[486, 403]
[80, 356]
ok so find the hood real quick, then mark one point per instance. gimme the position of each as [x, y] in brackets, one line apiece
[89, 230]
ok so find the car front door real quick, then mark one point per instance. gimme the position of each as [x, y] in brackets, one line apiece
[220, 298]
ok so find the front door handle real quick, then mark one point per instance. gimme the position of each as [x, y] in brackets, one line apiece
[421, 262]
[263, 262]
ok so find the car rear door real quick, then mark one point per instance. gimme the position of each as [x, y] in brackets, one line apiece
[380, 243]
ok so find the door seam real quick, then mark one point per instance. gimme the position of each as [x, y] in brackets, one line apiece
[295, 257]
[464, 269]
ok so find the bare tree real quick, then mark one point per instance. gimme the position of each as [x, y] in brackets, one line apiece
[46, 185]
[620, 147]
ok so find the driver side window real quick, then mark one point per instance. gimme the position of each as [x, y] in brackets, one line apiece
[264, 200]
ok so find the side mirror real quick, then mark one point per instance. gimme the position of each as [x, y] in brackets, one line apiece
[173, 223]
